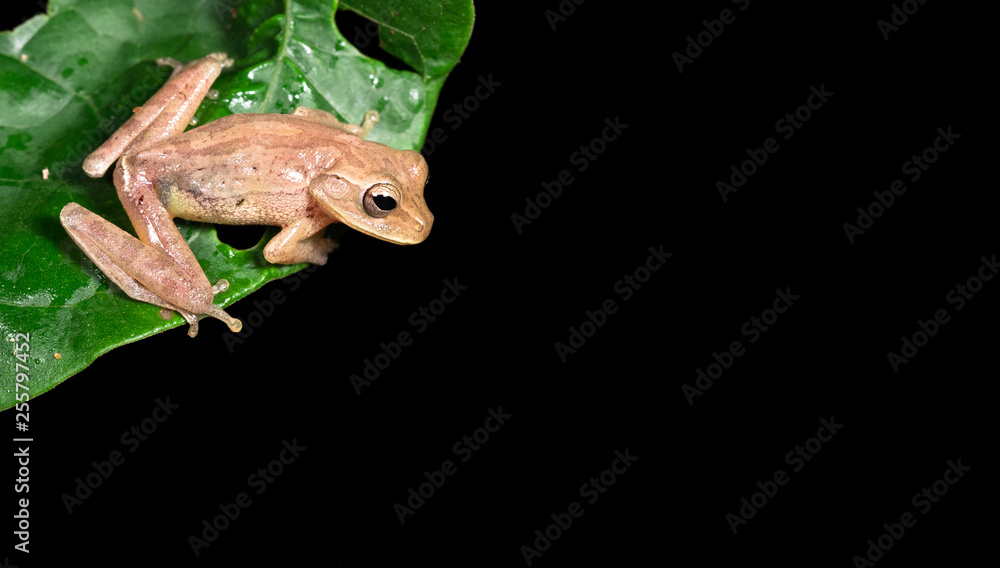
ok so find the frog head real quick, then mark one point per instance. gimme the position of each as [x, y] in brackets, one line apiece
[378, 191]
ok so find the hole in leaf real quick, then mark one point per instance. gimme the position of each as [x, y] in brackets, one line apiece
[240, 237]
[363, 34]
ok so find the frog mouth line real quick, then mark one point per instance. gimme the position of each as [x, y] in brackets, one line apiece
[421, 229]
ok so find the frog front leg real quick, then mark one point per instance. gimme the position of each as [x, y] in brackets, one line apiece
[159, 267]
[302, 240]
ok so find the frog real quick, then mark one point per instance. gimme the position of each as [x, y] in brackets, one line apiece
[301, 172]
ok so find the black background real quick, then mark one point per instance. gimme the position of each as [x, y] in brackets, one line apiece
[493, 347]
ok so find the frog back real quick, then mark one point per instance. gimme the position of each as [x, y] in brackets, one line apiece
[243, 169]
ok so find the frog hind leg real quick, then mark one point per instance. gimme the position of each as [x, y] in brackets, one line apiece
[183, 283]
[172, 106]
[159, 262]
[125, 259]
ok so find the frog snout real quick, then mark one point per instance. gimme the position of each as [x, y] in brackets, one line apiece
[423, 225]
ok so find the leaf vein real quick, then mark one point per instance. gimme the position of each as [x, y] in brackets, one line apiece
[280, 56]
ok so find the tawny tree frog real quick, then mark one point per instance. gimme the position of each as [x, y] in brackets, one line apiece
[301, 172]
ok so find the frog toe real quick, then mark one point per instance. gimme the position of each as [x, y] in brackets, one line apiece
[234, 324]
[321, 249]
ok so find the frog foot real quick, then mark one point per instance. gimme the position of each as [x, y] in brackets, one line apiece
[128, 262]
[178, 66]
[234, 324]
[322, 247]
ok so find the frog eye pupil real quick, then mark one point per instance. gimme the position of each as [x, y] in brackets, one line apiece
[380, 200]
[384, 202]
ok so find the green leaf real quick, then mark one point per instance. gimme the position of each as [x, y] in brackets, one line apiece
[69, 78]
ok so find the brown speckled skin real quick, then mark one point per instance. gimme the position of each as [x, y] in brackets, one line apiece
[300, 172]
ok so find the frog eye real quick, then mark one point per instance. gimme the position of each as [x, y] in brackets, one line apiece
[380, 199]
